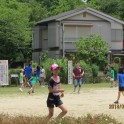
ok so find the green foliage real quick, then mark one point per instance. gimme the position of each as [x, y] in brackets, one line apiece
[117, 60]
[59, 6]
[85, 66]
[95, 70]
[38, 11]
[14, 71]
[121, 9]
[43, 56]
[116, 67]
[110, 7]
[34, 65]
[14, 30]
[114, 8]
[63, 70]
[87, 70]
[92, 49]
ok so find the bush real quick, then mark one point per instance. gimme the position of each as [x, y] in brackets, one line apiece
[34, 65]
[87, 69]
[95, 70]
[116, 67]
[63, 70]
[117, 60]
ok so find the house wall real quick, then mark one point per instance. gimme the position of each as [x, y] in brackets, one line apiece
[116, 36]
[73, 31]
[110, 31]
[44, 38]
[36, 37]
[55, 53]
[35, 57]
[53, 35]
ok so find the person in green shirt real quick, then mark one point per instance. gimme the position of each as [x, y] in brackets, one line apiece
[112, 77]
[33, 80]
[21, 80]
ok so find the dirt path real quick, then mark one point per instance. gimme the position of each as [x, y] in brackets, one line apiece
[94, 102]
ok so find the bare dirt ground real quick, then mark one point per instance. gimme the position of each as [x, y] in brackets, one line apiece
[93, 102]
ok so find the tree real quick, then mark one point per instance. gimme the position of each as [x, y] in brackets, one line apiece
[58, 6]
[110, 7]
[92, 49]
[38, 12]
[121, 9]
[14, 28]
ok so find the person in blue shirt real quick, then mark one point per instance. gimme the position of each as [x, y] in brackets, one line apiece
[38, 72]
[28, 73]
[120, 77]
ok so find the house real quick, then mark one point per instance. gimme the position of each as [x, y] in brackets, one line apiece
[57, 34]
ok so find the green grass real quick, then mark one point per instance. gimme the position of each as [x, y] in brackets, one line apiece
[13, 90]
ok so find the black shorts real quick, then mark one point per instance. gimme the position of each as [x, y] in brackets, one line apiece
[121, 88]
[51, 102]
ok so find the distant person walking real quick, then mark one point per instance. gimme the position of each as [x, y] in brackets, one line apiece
[78, 73]
[28, 73]
[120, 78]
[112, 72]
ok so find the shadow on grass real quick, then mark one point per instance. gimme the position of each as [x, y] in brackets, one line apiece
[89, 119]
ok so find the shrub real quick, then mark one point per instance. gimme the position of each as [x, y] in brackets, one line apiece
[63, 70]
[116, 67]
[117, 60]
[87, 69]
[95, 70]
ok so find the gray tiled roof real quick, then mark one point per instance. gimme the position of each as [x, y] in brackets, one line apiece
[59, 15]
[71, 12]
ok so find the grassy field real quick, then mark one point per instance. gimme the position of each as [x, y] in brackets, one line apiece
[87, 119]
[13, 90]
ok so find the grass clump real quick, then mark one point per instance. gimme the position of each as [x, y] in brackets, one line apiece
[89, 119]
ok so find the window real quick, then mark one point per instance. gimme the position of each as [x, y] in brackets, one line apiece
[116, 35]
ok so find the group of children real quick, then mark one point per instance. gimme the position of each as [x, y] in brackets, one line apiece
[29, 77]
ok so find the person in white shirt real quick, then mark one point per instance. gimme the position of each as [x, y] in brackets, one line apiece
[43, 76]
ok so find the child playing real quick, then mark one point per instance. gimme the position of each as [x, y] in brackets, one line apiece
[120, 78]
[21, 76]
[33, 80]
[42, 76]
[112, 77]
[55, 92]
[38, 73]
